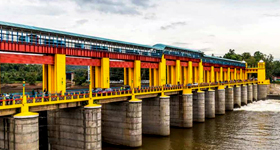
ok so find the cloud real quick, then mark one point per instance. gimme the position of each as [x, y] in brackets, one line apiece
[150, 16]
[180, 43]
[142, 3]
[208, 49]
[272, 15]
[212, 35]
[173, 25]
[81, 22]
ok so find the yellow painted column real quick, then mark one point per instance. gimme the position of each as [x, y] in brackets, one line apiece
[221, 74]
[172, 75]
[200, 72]
[208, 76]
[155, 77]
[97, 70]
[245, 73]
[105, 73]
[185, 70]
[168, 74]
[150, 77]
[130, 77]
[60, 73]
[44, 77]
[212, 74]
[51, 79]
[137, 73]
[92, 76]
[234, 75]
[217, 76]
[162, 71]
[241, 74]
[228, 73]
[195, 74]
[178, 72]
[124, 76]
[261, 71]
[190, 72]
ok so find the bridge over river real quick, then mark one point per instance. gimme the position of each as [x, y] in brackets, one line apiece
[185, 86]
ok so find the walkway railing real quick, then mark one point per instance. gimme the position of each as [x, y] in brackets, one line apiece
[54, 98]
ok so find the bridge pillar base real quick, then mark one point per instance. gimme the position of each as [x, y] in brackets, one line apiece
[255, 92]
[262, 91]
[210, 104]
[237, 97]
[250, 93]
[229, 99]
[199, 106]
[244, 95]
[75, 128]
[156, 116]
[220, 102]
[122, 123]
[181, 110]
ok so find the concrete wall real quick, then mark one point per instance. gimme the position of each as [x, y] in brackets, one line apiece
[75, 128]
[181, 110]
[250, 93]
[122, 123]
[19, 134]
[262, 92]
[255, 92]
[237, 97]
[210, 104]
[229, 99]
[156, 116]
[220, 101]
[244, 95]
[199, 106]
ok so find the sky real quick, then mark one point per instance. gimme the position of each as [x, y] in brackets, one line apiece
[212, 26]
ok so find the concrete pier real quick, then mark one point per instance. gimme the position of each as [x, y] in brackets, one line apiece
[19, 133]
[244, 95]
[199, 106]
[237, 97]
[255, 92]
[262, 91]
[122, 123]
[229, 99]
[75, 128]
[181, 110]
[250, 93]
[156, 116]
[220, 102]
[210, 104]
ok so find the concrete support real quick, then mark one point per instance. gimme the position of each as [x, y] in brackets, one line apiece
[122, 123]
[255, 92]
[19, 133]
[229, 99]
[75, 128]
[156, 116]
[250, 93]
[199, 106]
[244, 95]
[237, 97]
[210, 104]
[220, 102]
[181, 111]
[262, 92]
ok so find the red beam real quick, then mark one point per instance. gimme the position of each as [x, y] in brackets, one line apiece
[82, 61]
[26, 59]
[49, 49]
[225, 69]
[195, 64]
[121, 64]
[207, 68]
[184, 64]
[149, 65]
[170, 63]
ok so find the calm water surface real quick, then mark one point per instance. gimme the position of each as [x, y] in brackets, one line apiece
[255, 126]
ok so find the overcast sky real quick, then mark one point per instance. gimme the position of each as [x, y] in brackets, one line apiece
[213, 26]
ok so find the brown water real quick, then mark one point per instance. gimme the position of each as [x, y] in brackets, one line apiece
[255, 126]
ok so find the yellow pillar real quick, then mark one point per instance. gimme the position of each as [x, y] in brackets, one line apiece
[212, 74]
[105, 73]
[208, 76]
[150, 77]
[245, 73]
[172, 75]
[168, 75]
[97, 77]
[44, 77]
[190, 72]
[221, 74]
[92, 76]
[228, 74]
[137, 73]
[200, 72]
[185, 75]
[234, 75]
[195, 74]
[261, 71]
[162, 71]
[155, 77]
[241, 74]
[60, 72]
[178, 72]
[217, 76]
[130, 77]
[124, 76]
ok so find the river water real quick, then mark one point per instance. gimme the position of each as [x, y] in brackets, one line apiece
[255, 126]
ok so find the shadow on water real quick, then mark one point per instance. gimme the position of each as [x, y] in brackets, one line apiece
[255, 126]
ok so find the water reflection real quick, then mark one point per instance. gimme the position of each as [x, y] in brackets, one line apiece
[255, 126]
